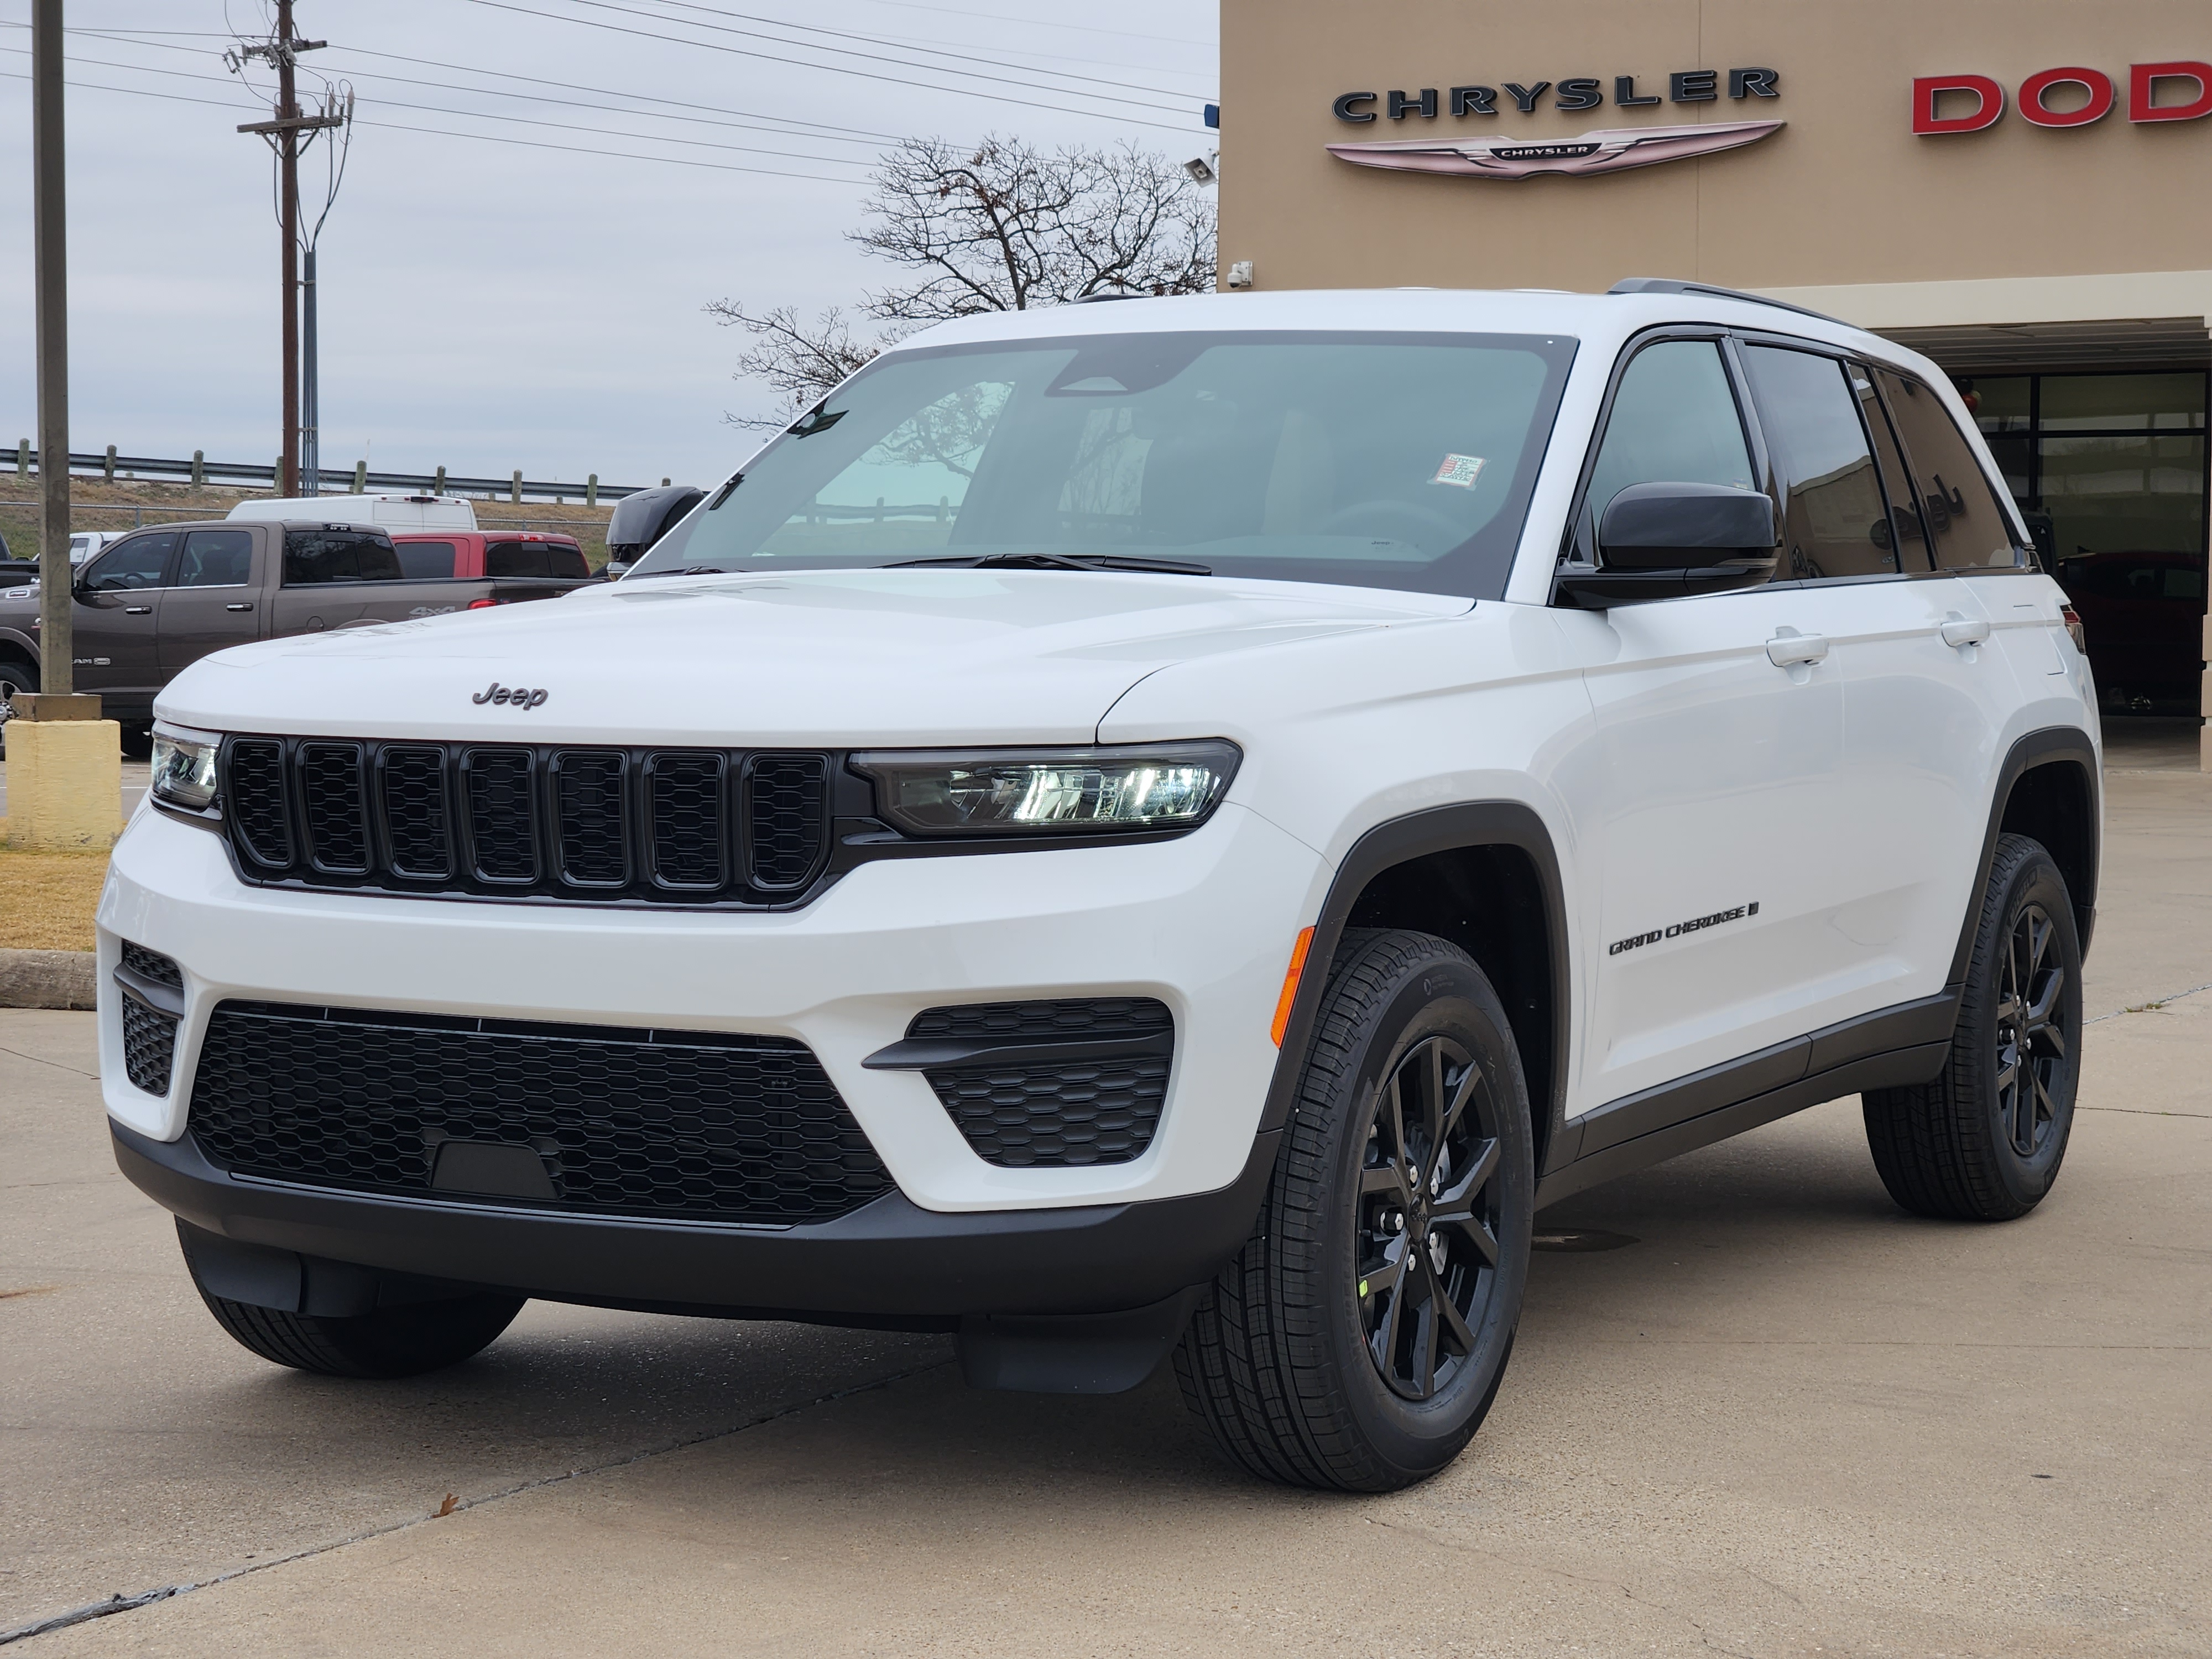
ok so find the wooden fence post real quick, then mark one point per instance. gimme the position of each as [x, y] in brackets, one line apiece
[109, 474]
[360, 477]
[591, 490]
[22, 459]
[199, 468]
[515, 493]
[439, 487]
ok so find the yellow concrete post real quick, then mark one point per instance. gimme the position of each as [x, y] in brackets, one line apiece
[65, 777]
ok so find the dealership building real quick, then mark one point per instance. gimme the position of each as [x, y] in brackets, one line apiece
[2017, 188]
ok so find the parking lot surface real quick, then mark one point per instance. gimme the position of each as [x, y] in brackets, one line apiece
[1785, 1420]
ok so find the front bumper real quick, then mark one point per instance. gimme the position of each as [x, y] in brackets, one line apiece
[1203, 922]
[888, 1261]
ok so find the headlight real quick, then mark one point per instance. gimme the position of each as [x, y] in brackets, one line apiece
[997, 792]
[183, 767]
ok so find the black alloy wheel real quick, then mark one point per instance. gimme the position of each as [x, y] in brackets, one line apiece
[2031, 1044]
[1358, 1339]
[1983, 1140]
[1431, 1207]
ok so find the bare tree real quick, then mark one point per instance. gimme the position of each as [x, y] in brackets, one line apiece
[1003, 227]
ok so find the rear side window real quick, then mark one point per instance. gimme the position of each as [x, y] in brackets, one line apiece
[426, 562]
[216, 558]
[1673, 420]
[567, 563]
[334, 554]
[1834, 520]
[1966, 528]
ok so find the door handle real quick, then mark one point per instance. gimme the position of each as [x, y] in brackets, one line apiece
[1958, 631]
[1789, 649]
[248, 605]
[137, 609]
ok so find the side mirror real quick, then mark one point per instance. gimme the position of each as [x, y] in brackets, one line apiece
[1662, 541]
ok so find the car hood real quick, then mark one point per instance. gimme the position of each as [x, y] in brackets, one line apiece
[830, 658]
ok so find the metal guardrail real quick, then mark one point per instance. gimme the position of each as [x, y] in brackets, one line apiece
[334, 482]
[142, 515]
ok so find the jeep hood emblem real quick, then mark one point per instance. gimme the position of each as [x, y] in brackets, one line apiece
[515, 696]
[1612, 150]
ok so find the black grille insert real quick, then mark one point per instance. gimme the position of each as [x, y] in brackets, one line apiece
[697, 826]
[1089, 1089]
[692, 1124]
[785, 818]
[336, 807]
[149, 1045]
[153, 965]
[503, 824]
[254, 792]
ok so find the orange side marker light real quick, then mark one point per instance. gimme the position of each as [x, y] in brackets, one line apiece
[1290, 985]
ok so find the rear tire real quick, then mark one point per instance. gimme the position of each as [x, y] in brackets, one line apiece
[1357, 1341]
[401, 1341]
[1984, 1141]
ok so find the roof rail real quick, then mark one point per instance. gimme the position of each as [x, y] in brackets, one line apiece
[1675, 285]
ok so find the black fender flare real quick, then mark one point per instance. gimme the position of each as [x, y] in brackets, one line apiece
[1438, 829]
[2052, 746]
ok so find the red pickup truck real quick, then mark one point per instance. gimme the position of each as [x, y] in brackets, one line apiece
[482, 554]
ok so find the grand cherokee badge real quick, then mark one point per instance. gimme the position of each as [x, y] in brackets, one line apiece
[1612, 150]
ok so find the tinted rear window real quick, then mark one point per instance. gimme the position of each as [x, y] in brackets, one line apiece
[515, 559]
[425, 562]
[555, 560]
[336, 554]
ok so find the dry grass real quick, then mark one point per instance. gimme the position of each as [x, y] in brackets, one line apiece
[46, 899]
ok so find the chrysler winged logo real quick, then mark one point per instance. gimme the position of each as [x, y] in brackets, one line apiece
[1611, 150]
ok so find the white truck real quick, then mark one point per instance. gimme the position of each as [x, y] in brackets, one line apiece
[396, 514]
[1164, 828]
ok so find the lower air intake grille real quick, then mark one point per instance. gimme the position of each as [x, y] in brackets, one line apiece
[687, 1124]
[1098, 1104]
[149, 1045]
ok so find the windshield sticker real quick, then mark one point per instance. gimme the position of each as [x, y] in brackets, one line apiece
[1459, 470]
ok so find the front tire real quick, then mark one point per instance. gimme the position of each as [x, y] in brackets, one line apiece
[1984, 1141]
[406, 1340]
[1357, 1341]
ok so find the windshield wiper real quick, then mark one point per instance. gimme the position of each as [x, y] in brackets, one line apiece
[1061, 561]
[688, 570]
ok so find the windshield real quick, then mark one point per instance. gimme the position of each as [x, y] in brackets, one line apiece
[1378, 460]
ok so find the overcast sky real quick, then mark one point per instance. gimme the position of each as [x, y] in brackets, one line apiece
[493, 304]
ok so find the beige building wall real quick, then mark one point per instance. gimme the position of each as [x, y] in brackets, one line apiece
[1844, 205]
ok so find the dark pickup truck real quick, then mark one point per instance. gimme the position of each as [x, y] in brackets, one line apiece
[162, 599]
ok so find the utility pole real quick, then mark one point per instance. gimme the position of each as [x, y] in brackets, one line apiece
[51, 259]
[282, 53]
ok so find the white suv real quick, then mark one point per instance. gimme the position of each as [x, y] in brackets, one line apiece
[1173, 826]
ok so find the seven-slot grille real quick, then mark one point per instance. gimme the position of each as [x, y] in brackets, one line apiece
[540, 820]
[700, 1125]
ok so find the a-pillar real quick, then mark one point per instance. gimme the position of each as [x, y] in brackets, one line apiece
[65, 775]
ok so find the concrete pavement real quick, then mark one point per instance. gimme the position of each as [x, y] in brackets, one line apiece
[1786, 1419]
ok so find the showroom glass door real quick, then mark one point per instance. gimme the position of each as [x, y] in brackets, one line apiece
[2110, 471]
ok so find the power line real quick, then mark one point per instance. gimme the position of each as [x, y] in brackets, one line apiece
[863, 74]
[478, 115]
[481, 137]
[873, 39]
[1045, 23]
[754, 121]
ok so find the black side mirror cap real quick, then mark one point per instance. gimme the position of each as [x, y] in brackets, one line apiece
[1685, 526]
[1667, 540]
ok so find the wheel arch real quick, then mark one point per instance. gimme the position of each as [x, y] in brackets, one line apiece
[2049, 788]
[1485, 876]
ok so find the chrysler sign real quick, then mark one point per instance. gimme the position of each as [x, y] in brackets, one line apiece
[1605, 149]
